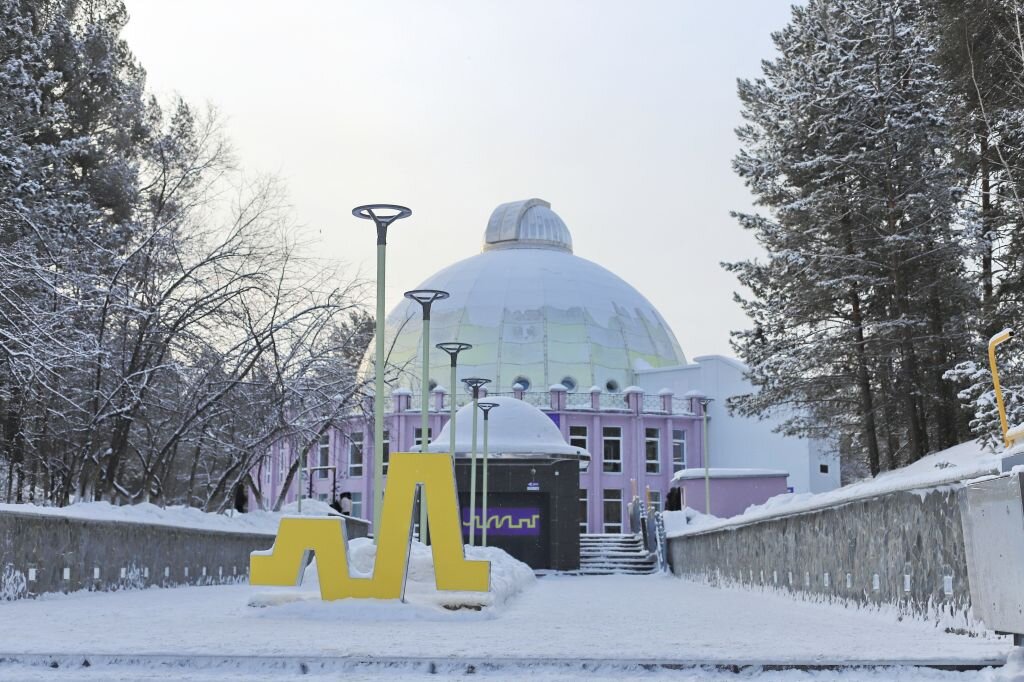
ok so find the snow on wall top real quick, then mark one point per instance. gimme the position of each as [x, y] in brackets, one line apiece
[951, 466]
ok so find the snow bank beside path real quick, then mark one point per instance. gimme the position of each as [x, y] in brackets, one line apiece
[958, 463]
[509, 577]
[261, 522]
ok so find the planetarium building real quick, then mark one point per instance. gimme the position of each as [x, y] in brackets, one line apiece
[535, 313]
[588, 351]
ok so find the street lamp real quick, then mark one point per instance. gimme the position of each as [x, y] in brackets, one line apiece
[486, 409]
[426, 298]
[389, 214]
[474, 385]
[453, 348]
[704, 402]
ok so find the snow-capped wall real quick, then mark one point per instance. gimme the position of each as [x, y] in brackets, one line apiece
[904, 549]
[99, 547]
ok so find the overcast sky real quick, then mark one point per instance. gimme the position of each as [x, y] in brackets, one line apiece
[620, 114]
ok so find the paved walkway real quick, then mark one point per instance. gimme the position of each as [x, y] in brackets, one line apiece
[656, 618]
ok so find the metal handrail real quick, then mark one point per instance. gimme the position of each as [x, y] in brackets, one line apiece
[1008, 438]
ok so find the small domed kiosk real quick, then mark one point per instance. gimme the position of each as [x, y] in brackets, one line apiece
[533, 483]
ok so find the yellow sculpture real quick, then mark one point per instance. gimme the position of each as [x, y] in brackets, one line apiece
[434, 474]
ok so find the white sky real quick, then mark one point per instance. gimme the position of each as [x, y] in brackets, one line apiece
[621, 114]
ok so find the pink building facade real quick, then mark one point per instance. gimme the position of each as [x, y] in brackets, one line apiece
[636, 441]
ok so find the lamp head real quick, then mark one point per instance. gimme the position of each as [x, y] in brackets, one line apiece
[426, 297]
[474, 384]
[382, 215]
[486, 408]
[453, 348]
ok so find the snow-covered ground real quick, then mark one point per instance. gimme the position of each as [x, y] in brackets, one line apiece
[179, 516]
[602, 619]
[958, 463]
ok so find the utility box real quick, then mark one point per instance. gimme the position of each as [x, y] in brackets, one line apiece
[992, 513]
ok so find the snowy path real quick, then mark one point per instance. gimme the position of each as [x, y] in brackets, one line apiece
[650, 618]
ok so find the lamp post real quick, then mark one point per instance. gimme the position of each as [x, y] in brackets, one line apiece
[453, 348]
[474, 385]
[389, 213]
[426, 298]
[486, 409]
[704, 402]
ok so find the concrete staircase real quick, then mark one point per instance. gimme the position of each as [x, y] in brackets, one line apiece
[606, 553]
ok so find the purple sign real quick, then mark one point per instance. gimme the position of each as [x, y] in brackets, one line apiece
[508, 521]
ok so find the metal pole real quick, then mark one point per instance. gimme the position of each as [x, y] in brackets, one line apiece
[367, 212]
[486, 409]
[298, 489]
[426, 298]
[378, 390]
[425, 417]
[474, 384]
[453, 348]
[452, 410]
[472, 474]
[704, 446]
[483, 539]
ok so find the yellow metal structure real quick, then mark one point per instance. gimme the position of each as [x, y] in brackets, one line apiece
[434, 475]
[1009, 437]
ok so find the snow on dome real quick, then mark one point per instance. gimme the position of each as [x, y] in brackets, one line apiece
[532, 310]
[516, 428]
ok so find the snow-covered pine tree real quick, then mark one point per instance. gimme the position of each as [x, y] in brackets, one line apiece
[858, 307]
[979, 50]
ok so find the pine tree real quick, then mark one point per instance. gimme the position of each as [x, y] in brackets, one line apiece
[979, 50]
[859, 306]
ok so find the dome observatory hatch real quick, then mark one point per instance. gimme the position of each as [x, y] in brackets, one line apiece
[535, 313]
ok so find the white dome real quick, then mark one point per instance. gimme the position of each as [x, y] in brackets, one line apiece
[535, 313]
[516, 428]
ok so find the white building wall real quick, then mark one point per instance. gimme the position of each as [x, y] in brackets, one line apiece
[735, 441]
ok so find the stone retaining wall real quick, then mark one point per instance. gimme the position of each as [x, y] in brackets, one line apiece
[904, 549]
[40, 554]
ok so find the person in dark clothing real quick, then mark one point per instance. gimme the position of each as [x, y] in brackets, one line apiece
[674, 500]
[343, 504]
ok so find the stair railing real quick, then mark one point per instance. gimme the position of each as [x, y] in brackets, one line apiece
[662, 542]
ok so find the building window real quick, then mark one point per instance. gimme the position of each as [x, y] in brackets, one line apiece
[823, 468]
[324, 455]
[652, 450]
[583, 510]
[678, 450]
[322, 497]
[612, 450]
[569, 383]
[357, 505]
[613, 511]
[281, 457]
[419, 435]
[655, 498]
[578, 437]
[387, 449]
[522, 381]
[355, 454]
